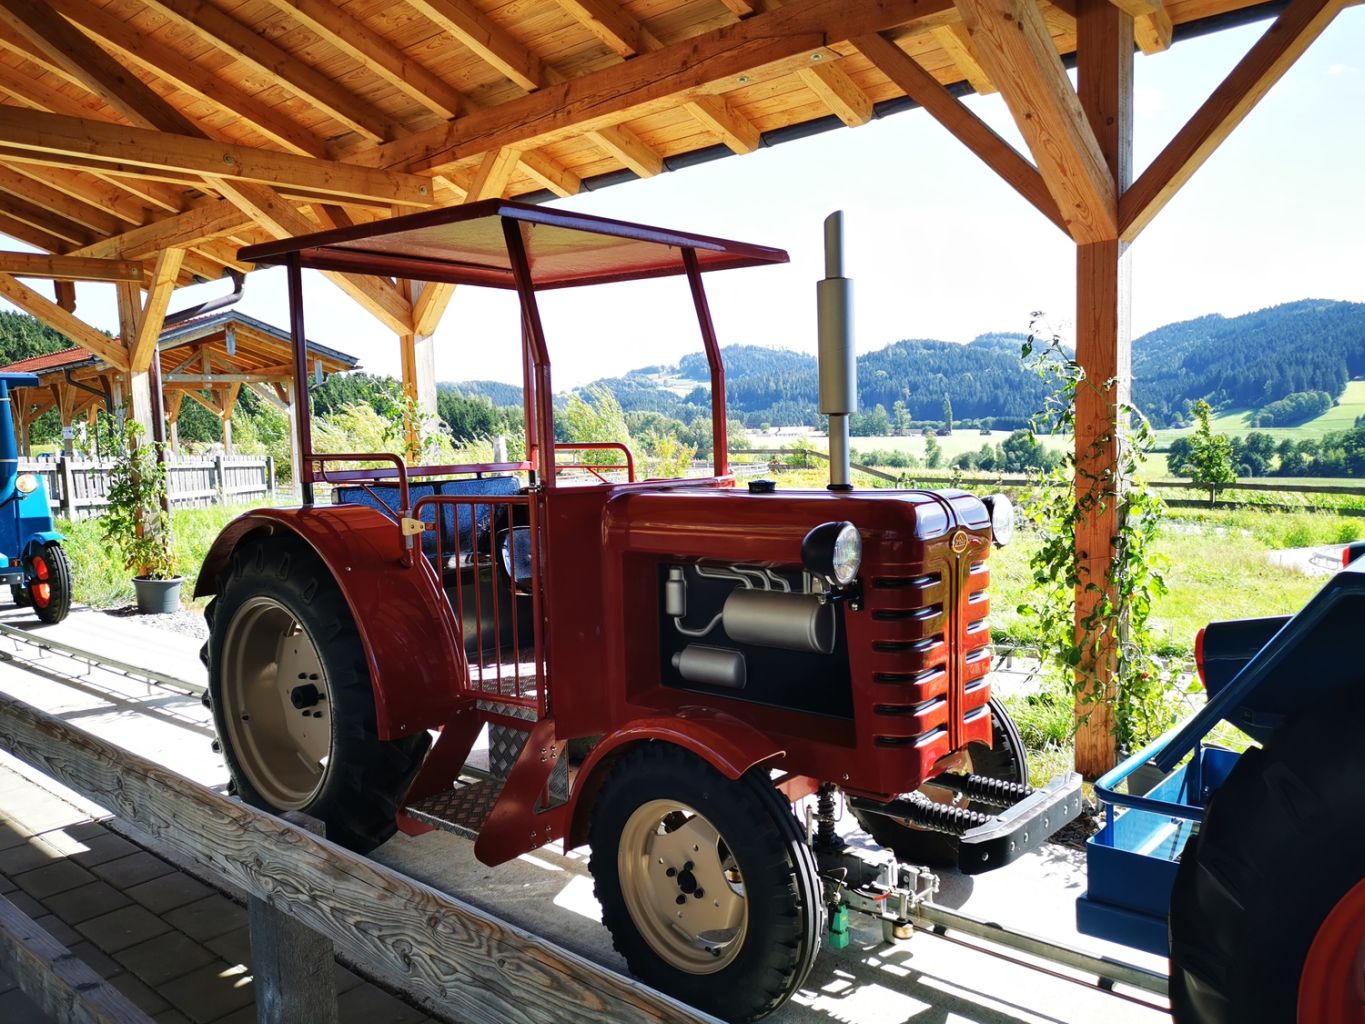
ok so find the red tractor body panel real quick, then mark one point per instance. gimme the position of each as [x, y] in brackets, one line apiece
[405, 623]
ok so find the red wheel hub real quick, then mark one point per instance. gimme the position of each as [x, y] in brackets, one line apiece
[1332, 985]
[42, 589]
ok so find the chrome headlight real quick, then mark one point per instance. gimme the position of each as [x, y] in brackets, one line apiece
[1001, 511]
[27, 483]
[834, 552]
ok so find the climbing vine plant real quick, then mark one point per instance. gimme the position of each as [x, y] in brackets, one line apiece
[1117, 626]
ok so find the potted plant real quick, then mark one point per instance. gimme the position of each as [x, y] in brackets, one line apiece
[138, 524]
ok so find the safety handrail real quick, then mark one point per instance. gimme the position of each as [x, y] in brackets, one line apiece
[378, 474]
[320, 460]
[597, 446]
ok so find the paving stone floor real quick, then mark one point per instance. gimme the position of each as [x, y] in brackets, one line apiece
[177, 948]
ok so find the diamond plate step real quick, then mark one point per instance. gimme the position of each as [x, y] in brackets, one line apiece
[462, 810]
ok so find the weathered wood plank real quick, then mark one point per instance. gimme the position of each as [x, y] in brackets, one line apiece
[59, 982]
[445, 952]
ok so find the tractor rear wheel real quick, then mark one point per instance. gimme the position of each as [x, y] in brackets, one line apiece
[706, 884]
[1254, 939]
[291, 697]
[49, 583]
[1005, 759]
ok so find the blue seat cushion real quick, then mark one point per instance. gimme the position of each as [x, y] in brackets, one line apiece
[472, 523]
[384, 498]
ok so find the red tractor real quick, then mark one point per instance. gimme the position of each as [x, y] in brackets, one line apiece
[664, 666]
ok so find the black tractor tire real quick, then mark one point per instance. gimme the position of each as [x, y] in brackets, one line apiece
[357, 790]
[19, 595]
[49, 565]
[1005, 759]
[1280, 846]
[758, 839]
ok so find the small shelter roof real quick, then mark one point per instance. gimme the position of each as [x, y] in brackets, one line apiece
[467, 245]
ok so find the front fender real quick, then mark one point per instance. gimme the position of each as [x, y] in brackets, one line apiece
[406, 625]
[729, 745]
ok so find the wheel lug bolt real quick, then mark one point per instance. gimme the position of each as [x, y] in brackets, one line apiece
[698, 893]
[671, 872]
[681, 900]
[687, 866]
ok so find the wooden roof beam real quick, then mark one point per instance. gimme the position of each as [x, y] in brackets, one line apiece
[13, 183]
[637, 155]
[267, 208]
[559, 180]
[613, 24]
[62, 141]
[379, 56]
[45, 220]
[965, 126]
[93, 67]
[142, 346]
[728, 125]
[94, 191]
[956, 42]
[609, 96]
[69, 268]
[486, 38]
[26, 232]
[1151, 23]
[1016, 50]
[212, 25]
[139, 48]
[838, 92]
[60, 320]
[1272, 55]
[211, 220]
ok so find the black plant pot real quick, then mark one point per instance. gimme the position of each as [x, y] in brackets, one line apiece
[157, 597]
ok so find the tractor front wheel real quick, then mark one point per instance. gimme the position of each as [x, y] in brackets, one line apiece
[291, 698]
[1267, 913]
[48, 583]
[706, 884]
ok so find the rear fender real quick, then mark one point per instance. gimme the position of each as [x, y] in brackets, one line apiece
[406, 625]
[726, 743]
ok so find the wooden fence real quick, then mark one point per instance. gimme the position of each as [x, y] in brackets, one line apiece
[79, 488]
[459, 962]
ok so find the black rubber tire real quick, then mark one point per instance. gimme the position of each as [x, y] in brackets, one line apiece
[1005, 759]
[19, 595]
[365, 777]
[1280, 844]
[59, 585]
[782, 884]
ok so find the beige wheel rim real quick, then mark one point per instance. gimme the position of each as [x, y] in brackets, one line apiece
[277, 705]
[682, 887]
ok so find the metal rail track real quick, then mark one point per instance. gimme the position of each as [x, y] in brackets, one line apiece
[146, 675]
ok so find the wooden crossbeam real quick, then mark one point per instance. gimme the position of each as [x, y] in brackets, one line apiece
[485, 37]
[1151, 23]
[610, 96]
[60, 320]
[44, 219]
[212, 220]
[172, 65]
[622, 143]
[54, 139]
[969, 129]
[92, 191]
[837, 91]
[92, 66]
[278, 216]
[224, 32]
[379, 56]
[956, 42]
[559, 180]
[732, 128]
[1272, 55]
[69, 268]
[143, 345]
[613, 24]
[1016, 49]
[28, 233]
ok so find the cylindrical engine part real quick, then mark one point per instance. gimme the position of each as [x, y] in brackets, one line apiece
[675, 593]
[834, 312]
[712, 666]
[840, 459]
[793, 622]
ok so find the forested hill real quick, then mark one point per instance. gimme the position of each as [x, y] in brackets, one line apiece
[21, 336]
[1249, 361]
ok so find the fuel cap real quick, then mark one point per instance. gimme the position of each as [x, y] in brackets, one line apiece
[762, 486]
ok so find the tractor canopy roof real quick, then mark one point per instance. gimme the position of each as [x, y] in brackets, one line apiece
[468, 245]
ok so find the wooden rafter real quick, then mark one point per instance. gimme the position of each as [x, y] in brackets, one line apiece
[211, 220]
[376, 53]
[969, 129]
[613, 24]
[75, 210]
[69, 268]
[40, 217]
[611, 95]
[956, 42]
[627, 147]
[718, 117]
[52, 138]
[142, 346]
[1151, 23]
[838, 92]
[25, 232]
[1016, 50]
[486, 38]
[59, 319]
[549, 174]
[93, 191]
[91, 66]
[212, 25]
[1271, 56]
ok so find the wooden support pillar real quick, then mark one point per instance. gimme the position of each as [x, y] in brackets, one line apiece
[173, 400]
[1104, 350]
[418, 359]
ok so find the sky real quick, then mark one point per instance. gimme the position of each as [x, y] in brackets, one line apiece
[936, 245]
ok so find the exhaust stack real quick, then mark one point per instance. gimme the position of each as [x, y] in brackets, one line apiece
[838, 361]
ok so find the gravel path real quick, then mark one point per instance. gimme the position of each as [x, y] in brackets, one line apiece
[186, 622]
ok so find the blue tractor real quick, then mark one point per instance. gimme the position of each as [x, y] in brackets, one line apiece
[32, 561]
[1248, 870]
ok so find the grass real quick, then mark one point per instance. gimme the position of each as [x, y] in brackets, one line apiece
[1233, 422]
[101, 580]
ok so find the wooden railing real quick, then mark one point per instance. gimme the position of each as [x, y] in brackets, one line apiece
[457, 961]
[79, 488]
